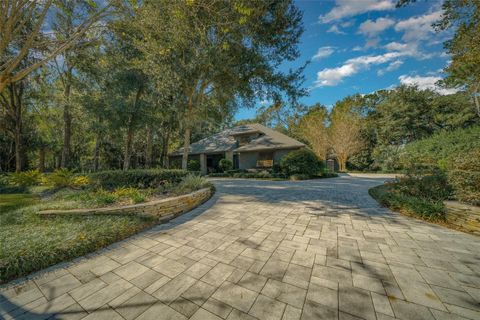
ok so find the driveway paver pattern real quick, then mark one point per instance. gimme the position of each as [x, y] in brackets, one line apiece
[269, 250]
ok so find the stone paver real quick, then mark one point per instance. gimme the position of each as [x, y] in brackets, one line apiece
[319, 249]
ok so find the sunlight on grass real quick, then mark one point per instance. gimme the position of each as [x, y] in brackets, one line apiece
[10, 202]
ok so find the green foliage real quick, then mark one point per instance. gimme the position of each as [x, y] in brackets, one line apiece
[192, 183]
[62, 178]
[152, 178]
[193, 165]
[26, 178]
[7, 188]
[301, 161]
[430, 186]
[465, 177]
[387, 158]
[10, 202]
[220, 174]
[225, 165]
[442, 148]
[397, 201]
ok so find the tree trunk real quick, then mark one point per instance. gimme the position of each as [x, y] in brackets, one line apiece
[164, 155]
[67, 125]
[96, 153]
[149, 150]
[18, 147]
[186, 147]
[130, 131]
[189, 119]
[128, 144]
[342, 163]
[41, 159]
[16, 92]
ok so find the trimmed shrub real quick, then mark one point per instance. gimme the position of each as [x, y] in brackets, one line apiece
[26, 178]
[465, 177]
[152, 178]
[225, 165]
[302, 161]
[220, 174]
[441, 149]
[193, 165]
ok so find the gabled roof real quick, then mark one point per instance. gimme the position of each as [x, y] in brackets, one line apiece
[225, 141]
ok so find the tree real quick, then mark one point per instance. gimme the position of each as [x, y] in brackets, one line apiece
[313, 128]
[227, 50]
[344, 131]
[12, 103]
[464, 69]
[20, 14]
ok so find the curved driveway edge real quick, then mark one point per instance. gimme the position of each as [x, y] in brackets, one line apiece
[317, 249]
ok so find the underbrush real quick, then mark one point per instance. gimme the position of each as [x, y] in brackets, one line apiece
[392, 198]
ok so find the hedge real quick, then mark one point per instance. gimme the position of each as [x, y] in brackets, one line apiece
[140, 178]
[301, 162]
[443, 148]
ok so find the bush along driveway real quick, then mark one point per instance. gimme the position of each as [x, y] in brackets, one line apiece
[317, 249]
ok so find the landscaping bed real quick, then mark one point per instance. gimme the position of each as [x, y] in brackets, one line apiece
[30, 242]
[297, 165]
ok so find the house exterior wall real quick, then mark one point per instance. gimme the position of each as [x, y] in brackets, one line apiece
[247, 160]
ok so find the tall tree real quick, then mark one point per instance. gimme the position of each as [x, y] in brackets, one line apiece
[227, 49]
[345, 130]
[313, 128]
[16, 15]
[464, 69]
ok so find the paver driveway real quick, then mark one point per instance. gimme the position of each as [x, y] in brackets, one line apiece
[316, 249]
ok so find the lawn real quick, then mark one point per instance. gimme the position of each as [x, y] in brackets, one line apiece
[10, 202]
[30, 242]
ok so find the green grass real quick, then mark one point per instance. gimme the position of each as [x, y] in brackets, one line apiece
[30, 242]
[9, 202]
[425, 209]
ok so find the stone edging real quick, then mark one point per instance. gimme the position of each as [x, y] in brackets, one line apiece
[164, 209]
[463, 215]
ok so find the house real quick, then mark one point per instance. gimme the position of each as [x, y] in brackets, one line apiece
[249, 146]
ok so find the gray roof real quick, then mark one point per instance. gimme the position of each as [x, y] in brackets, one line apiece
[225, 141]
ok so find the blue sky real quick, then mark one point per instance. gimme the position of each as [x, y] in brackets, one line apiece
[360, 46]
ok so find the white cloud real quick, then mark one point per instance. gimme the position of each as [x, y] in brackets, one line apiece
[391, 67]
[350, 8]
[332, 76]
[372, 28]
[335, 29]
[424, 83]
[410, 49]
[323, 52]
[418, 28]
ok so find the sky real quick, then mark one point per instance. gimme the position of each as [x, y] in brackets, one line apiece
[361, 46]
